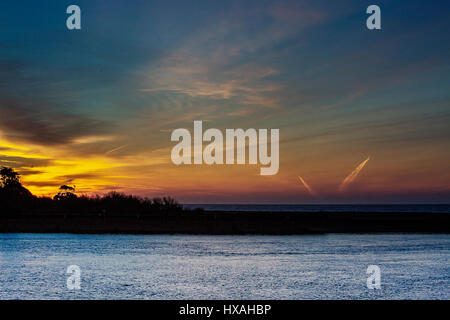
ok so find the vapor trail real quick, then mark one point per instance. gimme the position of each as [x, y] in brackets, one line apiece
[352, 176]
[310, 190]
[116, 149]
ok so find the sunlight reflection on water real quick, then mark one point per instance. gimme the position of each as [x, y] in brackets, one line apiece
[33, 266]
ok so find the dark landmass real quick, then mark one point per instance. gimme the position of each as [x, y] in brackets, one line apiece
[198, 222]
[21, 211]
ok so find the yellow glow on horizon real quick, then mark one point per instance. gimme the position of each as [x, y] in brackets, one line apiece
[43, 180]
[151, 173]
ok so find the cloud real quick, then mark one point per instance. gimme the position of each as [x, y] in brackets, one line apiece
[45, 126]
[228, 59]
[43, 183]
[26, 172]
[72, 177]
[250, 87]
[23, 162]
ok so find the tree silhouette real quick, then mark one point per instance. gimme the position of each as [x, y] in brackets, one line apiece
[66, 192]
[16, 199]
[9, 177]
[13, 196]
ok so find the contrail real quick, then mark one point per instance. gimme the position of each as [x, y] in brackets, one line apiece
[310, 190]
[352, 176]
[116, 149]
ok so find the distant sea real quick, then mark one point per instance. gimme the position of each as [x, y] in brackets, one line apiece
[435, 208]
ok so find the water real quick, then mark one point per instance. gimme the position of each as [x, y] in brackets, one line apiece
[33, 266]
[435, 208]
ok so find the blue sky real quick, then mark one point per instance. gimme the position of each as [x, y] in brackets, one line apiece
[111, 93]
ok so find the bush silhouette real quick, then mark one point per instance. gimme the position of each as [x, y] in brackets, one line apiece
[16, 199]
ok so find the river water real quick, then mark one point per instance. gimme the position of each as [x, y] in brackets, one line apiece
[33, 266]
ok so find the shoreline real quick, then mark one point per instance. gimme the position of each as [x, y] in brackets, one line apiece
[231, 223]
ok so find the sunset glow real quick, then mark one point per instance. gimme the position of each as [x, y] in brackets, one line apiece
[96, 108]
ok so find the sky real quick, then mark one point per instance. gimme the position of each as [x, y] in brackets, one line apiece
[363, 114]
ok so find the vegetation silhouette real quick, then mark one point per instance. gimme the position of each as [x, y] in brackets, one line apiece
[16, 199]
[115, 212]
[65, 192]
